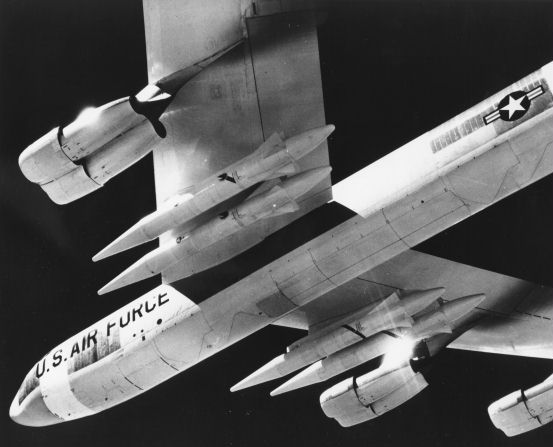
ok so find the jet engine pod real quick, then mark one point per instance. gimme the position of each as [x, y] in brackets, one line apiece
[95, 127]
[356, 400]
[522, 411]
[72, 161]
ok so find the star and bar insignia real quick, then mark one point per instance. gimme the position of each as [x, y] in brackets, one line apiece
[514, 105]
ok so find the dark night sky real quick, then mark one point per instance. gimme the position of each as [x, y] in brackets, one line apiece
[390, 72]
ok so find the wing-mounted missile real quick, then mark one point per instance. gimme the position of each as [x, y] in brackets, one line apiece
[441, 320]
[429, 324]
[522, 411]
[343, 360]
[399, 378]
[274, 158]
[276, 201]
[395, 311]
[71, 161]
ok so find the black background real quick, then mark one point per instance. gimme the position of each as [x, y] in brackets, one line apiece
[390, 72]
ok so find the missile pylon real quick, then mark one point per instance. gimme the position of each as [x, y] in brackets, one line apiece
[280, 199]
[388, 314]
[429, 324]
[274, 158]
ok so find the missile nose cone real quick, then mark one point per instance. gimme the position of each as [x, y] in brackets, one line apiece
[106, 252]
[134, 273]
[149, 265]
[301, 183]
[116, 283]
[453, 310]
[110, 250]
[131, 238]
[264, 374]
[307, 377]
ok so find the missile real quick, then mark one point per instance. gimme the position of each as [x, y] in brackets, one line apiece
[274, 158]
[280, 199]
[391, 313]
[338, 362]
[429, 324]
[433, 323]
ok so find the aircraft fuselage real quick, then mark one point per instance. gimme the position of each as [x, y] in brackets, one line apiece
[468, 163]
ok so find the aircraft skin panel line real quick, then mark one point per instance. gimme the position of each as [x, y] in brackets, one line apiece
[441, 151]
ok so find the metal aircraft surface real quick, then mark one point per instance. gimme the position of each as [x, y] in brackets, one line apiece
[236, 123]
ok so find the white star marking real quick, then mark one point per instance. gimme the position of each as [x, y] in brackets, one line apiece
[514, 105]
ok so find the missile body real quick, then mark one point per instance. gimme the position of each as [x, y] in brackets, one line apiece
[427, 325]
[278, 200]
[390, 313]
[274, 158]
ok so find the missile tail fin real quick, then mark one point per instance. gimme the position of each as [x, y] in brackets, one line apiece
[264, 187]
[271, 145]
[287, 170]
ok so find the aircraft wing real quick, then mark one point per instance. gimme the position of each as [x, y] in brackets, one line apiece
[269, 82]
[515, 318]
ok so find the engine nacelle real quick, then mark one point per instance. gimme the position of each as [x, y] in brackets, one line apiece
[70, 162]
[360, 399]
[522, 411]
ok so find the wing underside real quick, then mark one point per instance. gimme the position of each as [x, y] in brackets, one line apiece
[515, 318]
[268, 83]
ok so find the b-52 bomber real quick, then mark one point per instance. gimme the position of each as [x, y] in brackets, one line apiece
[360, 289]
